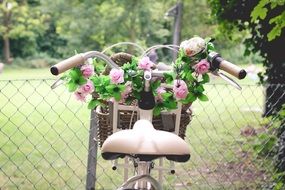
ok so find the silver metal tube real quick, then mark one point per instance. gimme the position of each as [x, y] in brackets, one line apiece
[91, 54]
[142, 50]
[147, 77]
[170, 46]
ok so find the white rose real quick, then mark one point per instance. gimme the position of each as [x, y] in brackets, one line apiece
[193, 46]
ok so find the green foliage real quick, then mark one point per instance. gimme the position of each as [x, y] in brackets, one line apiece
[58, 31]
[40, 60]
[50, 41]
[25, 20]
[279, 22]
[187, 82]
[75, 79]
[169, 77]
[21, 22]
[261, 10]
[264, 144]
[90, 25]
[279, 181]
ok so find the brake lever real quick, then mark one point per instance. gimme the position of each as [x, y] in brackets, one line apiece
[227, 79]
[57, 83]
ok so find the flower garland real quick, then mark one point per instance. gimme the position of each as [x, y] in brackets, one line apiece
[125, 84]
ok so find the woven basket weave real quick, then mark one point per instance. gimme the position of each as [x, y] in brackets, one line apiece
[128, 118]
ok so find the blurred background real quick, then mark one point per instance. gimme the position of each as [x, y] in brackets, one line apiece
[42, 148]
[35, 33]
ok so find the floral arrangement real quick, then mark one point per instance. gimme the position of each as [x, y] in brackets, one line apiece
[125, 84]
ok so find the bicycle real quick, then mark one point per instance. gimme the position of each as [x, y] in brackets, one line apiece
[143, 144]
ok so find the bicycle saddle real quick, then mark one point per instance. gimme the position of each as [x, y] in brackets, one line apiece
[146, 143]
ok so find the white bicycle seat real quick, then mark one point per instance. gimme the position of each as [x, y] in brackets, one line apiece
[145, 143]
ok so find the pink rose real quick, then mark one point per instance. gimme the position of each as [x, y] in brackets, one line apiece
[87, 88]
[180, 89]
[202, 67]
[160, 90]
[145, 63]
[117, 76]
[126, 92]
[87, 70]
[124, 95]
[80, 96]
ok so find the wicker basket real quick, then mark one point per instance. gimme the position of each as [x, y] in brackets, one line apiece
[128, 118]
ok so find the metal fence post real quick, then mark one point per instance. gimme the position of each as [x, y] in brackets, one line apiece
[92, 153]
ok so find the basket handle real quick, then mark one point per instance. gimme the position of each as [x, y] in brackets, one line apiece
[155, 47]
[120, 59]
[141, 49]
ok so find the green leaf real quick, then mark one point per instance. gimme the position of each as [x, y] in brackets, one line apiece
[110, 88]
[259, 11]
[199, 89]
[170, 104]
[155, 85]
[81, 80]
[169, 77]
[203, 97]
[96, 81]
[279, 186]
[265, 144]
[93, 104]
[72, 86]
[157, 110]
[190, 98]
[276, 31]
[105, 80]
[206, 78]
[186, 59]
[121, 87]
[126, 66]
[75, 73]
[117, 96]
[134, 62]
[137, 95]
[189, 76]
[246, 52]
[166, 95]
[210, 46]
[137, 83]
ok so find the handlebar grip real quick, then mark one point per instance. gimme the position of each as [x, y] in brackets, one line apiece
[67, 64]
[217, 62]
[232, 69]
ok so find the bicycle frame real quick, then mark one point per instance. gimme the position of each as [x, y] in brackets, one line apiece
[142, 179]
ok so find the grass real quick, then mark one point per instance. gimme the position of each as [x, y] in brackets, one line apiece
[44, 136]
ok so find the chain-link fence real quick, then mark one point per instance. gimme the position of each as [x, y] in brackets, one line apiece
[44, 137]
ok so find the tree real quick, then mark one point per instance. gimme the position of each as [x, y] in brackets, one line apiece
[264, 21]
[20, 21]
[87, 25]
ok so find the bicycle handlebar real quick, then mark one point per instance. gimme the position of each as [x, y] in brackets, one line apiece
[66, 64]
[79, 59]
[217, 62]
